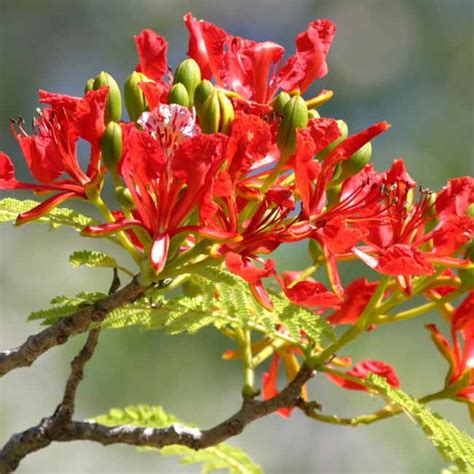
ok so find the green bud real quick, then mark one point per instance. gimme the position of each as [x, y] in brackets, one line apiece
[333, 194]
[134, 97]
[179, 95]
[470, 210]
[467, 274]
[111, 143]
[89, 85]
[113, 110]
[226, 112]
[216, 113]
[124, 197]
[295, 115]
[312, 114]
[280, 102]
[203, 90]
[344, 133]
[357, 161]
[188, 74]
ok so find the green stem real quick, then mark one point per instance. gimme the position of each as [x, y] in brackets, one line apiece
[245, 342]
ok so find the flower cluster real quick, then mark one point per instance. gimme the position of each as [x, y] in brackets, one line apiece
[225, 160]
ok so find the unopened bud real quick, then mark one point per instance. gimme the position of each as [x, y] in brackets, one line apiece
[333, 194]
[89, 85]
[203, 90]
[124, 197]
[470, 210]
[357, 161]
[134, 97]
[295, 115]
[312, 114]
[216, 113]
[113, 110]
[188, 74]
[467, 274]
[111, 144]
[179, 95]
[280, 102]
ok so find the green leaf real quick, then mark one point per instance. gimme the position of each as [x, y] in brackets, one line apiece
[64, 306]
[222, 456]
[59, 216]
[138, 313]
[92, 258]
[453, 444]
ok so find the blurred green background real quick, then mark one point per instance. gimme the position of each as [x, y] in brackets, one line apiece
[408, 62]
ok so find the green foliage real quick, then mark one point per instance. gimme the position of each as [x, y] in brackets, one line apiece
[64, 306]
[453, 444]
[10, 208]
[92, 258]
[222, 456]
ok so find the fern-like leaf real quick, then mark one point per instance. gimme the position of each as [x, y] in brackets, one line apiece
[222, 456]
[453, 444]
[10, 208]
[64, 306]
[92, 258]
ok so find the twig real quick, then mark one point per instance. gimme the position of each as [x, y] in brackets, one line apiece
[49, 429]
[60, 332]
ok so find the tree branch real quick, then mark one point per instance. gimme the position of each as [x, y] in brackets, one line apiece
[50, 429]
[60, 332]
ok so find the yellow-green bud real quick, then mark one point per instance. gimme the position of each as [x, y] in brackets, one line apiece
[179, 95]
[312, 114]
[333, 194]
[134, 97]
[188, 74]
[226, 112]
[280, 102]
[470, 210]
[113, 109]
[216, 113]
[124, 197]
[344, 132]
[203, 90]
[357, 161]
[111, 144]
[467, 274]
[295, 115]
[89, 85]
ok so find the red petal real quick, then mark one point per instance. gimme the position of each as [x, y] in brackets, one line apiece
[152, 49]
[401, 259]
[309, 61]
[362, 369]
[324, 131]
[456, 197]
[244, 268]
[45, 207]
[312, 294]
[453, 233]
[338, 237]
[356, 297]
[159, 252]
[399, 174]
[111, 228]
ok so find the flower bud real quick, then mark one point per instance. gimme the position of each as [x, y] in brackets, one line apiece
[467, 274]
[113, 109]
[111, 144]
[89, 85]
[312, 114]
[135, 101]
[280, 102]
[216, 113]
[295, 115]
[124, 197]
[357, 161]
[203, 90]
[344, 133]
[179, 95]
[333, 194]
[470, 210]
[188, 74]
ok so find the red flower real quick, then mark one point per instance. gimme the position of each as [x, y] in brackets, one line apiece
[253, 69]
[362, 369]
[168, 167]
[460, 359]
[152, 51]
[51, 150]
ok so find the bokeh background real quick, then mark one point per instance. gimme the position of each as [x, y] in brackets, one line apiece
[408, 62]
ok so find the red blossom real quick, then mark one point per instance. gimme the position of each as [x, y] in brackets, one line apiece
[361, 370]
[152, 52]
